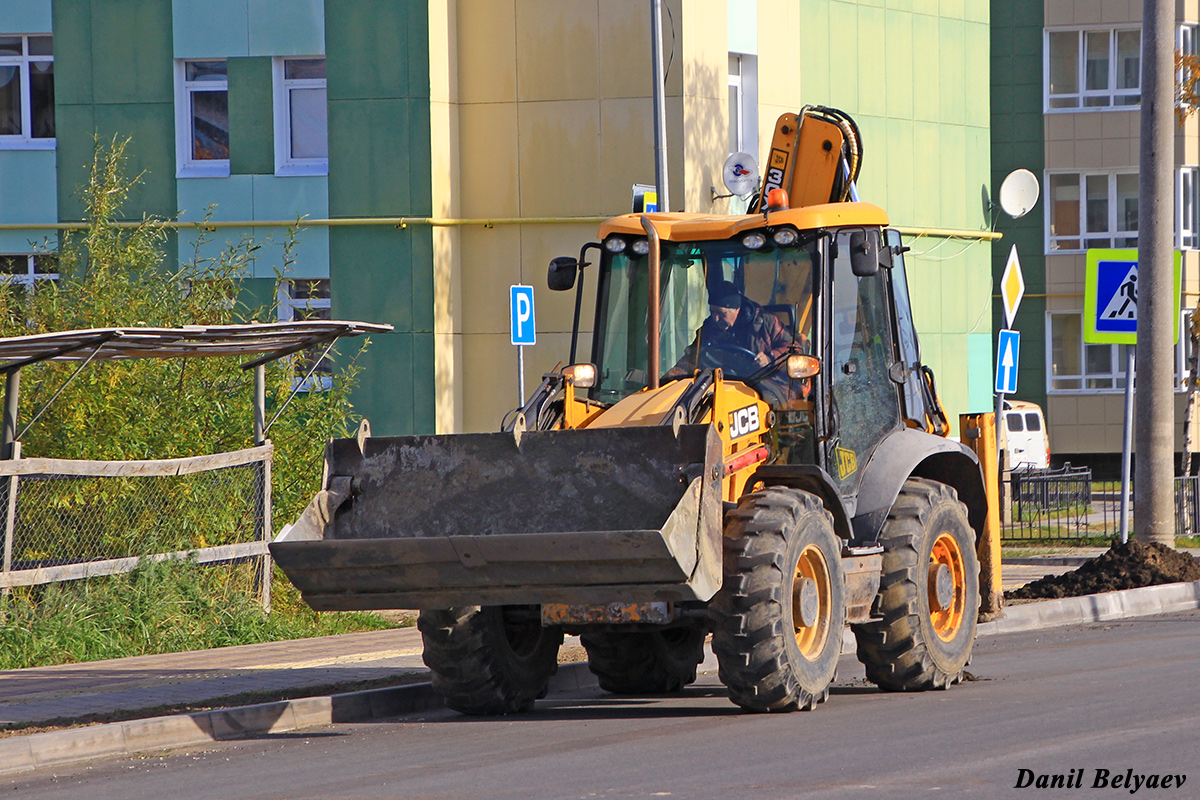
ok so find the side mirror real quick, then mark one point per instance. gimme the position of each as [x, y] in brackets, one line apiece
[864, 254]
[562, 273]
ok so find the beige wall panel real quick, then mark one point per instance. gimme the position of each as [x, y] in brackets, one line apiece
[626, 153]
[448, 362]
[706, 89]
[1090, 124]
[559, 145]
[489, 380]
[1089, 154]
[675, 155]
[443, 51]
[624, 42]
[557, 50]
[1119, 153]
[491, 259]
[1118, 124]
[1063, 409]
[539, 243]
[672, 34]
[1114, 11]
[1059, 12]
[780, 84]
[489, 160]
[1064, 439]
[1060, 154]
[1092, 439]
[1059, 128]
[707, 148]
[487, 42]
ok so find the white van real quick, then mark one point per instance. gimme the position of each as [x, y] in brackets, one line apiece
[1028, 445]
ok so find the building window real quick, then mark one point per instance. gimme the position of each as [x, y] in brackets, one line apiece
[28, 270]
[1089, 210]
[1072, 366]
[1187, 208]
[26, 92]
[202, 118]
[1092, 69]
[305, 299]
[743, 104]
[301, 137]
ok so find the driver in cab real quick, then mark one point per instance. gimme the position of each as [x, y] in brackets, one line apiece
[735, 323]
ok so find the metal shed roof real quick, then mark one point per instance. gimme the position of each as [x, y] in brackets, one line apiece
[272, 340]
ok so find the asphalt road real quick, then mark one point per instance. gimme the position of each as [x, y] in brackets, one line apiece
[1115, 696]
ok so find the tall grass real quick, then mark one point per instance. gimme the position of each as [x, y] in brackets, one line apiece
[162, 607]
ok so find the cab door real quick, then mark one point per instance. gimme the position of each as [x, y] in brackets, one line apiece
[864, 401]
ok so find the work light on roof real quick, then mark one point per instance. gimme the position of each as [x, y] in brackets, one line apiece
[614, 244]
[640, 246]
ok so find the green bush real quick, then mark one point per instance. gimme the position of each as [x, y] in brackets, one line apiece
[117, 276]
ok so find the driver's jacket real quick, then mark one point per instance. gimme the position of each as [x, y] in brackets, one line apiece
[755, 330]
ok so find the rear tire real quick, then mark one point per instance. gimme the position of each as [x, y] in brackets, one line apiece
[490, 660]
[645, 662]
[779, 616]
[928, 595]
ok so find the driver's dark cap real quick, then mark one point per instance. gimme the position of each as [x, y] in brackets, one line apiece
[724, 295]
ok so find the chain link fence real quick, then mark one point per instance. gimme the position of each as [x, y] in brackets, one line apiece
[66, 520]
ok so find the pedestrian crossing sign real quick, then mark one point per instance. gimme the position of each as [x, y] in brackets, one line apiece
[1110, 296]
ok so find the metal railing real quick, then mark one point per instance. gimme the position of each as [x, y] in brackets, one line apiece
[72, 519]
[1067, 504]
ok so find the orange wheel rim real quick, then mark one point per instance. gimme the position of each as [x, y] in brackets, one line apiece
[811, 593]
[947, 587]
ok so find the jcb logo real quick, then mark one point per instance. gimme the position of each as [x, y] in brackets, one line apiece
[743, 421]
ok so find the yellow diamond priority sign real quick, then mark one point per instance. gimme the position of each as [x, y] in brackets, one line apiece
[1012, 287]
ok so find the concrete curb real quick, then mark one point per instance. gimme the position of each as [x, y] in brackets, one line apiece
[36, 751]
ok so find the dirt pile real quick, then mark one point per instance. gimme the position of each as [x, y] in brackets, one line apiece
[1124, 566]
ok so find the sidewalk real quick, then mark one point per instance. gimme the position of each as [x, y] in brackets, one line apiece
[144, 689]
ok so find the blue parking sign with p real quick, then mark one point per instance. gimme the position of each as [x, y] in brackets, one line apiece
[521, 323]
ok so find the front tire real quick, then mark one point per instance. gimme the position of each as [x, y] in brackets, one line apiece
[779, 615]
[928, 596]
[645, 662]
[490, 660]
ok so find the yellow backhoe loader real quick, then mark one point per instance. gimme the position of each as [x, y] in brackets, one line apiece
[754, 450]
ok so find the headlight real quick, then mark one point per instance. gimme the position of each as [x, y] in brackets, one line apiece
[614, 244]
[640, 246]
[754, 241]
[785, 237]
[583, 375]
[802, 366]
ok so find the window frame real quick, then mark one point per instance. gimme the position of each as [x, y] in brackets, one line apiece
[1115, 376]
[25, 140]
[745, 88]
[31, 277]
[287, 305]
[185, 165]
[285, 163]
[1081, 93]
[1117, 237]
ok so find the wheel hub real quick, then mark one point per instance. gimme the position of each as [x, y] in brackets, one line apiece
[941, 586]
[808, 601]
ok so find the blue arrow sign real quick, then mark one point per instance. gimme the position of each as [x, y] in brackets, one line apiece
[520, 306]
[1008, 352]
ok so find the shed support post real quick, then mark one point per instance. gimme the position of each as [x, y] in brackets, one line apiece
[10, 449]
[263, 479]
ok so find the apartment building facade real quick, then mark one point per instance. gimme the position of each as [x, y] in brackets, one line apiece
[441, 151]
[1066, 77]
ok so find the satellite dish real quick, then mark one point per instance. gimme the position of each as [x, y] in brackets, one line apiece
[740, 173]
[1019, 193]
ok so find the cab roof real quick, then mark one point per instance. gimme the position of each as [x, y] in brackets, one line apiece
[690, 227]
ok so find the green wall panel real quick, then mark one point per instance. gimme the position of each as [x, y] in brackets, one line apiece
[1018, 142]
[132, 58]
[251, 122]
[922, 102]
[377, 49]
[113, 78]
[212, 29]
[287, 27]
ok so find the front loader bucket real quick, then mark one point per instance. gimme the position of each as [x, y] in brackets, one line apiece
[577, 517]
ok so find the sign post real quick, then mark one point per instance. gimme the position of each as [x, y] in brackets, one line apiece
[1008, 347]
[522, 329]
[1110, 317]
